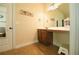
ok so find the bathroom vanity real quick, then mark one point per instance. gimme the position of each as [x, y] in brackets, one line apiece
[45, 35]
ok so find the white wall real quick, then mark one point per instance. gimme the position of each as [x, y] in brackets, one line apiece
[61, 39]
[26, 26]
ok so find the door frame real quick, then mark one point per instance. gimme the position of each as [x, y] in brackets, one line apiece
[11, 16]
[14, 26]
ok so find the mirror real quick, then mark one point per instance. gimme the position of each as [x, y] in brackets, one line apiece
[59, 15]
[2, 20]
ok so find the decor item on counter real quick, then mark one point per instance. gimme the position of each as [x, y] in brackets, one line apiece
[67, 22]
[57, 23]
[23, 12]
[62, 23]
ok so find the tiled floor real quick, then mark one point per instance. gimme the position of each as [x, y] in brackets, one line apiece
[33, 49]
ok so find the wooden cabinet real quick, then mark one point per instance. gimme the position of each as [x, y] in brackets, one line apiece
[45, 37]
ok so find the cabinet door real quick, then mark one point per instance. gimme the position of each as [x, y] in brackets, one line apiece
[50, 38]
[47, 37]
[39, 35]
[44, 36]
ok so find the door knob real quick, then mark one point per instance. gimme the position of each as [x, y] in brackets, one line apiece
[10, 28]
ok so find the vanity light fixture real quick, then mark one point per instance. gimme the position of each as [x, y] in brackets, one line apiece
[54, 6]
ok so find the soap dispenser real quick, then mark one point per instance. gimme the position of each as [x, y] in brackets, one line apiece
[62, 23]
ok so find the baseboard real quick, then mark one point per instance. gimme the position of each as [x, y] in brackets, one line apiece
[25, 44]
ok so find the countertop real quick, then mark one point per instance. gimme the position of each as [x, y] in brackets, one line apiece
[56, 28]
